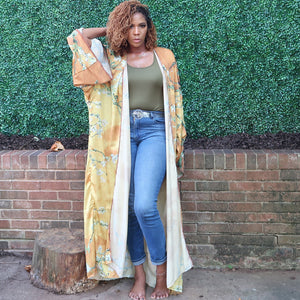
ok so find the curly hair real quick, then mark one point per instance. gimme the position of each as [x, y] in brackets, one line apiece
[119, 22]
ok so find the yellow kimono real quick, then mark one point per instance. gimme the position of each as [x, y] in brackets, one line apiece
[103, 79]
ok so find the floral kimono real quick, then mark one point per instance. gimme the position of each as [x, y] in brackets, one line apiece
[103, 79]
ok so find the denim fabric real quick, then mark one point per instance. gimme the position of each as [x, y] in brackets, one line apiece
[148, 169]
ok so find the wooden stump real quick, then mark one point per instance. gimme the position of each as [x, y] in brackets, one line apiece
[58, 262]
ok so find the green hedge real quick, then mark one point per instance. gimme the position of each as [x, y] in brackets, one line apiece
[238, 62]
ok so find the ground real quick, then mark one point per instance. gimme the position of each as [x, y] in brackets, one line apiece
[279, 140]
[198, 284]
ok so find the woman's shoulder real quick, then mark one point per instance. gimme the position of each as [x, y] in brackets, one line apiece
[165, 55]
[164, 51]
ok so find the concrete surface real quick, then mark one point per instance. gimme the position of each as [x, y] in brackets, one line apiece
[198, 284]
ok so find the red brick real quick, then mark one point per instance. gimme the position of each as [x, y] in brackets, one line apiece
[251, 160]
[197, 174]
[187, 185]
[61, 160]
[14, 214]
[189, 228]
[40, 175]
[229, 217]
[8, 174]
[290, 175]
[5, 204]
[262, 217]
[280, 207]
[72, 215]
[245, 207]
[24, 159]
[57, 205]
[279, 228]
[25, 185]
[289, 196]
[289, 240]
[16, 161]
[54, 224]
[199, 159]
[77, 206]
[188, 206]
[26, 204]
[55, 185]
[261, 160]
[230, 228]
[33, 159]
[229, 175]
[25, 224]
[189, 159]
[6, 160]
[77, 185]
[9, 234]
[13, 195]
[287, 186]
[219, 159]
[70, 175]
[4, 224]
[229, 159]
[80, 160]
[196, 196]
[39, 195]
[245, 186]
[21, 244]
[71, 195]
[290, 217]
[77, 224]
[288, 161]
[43, 215]
[262, 196]
[228, 196]
[190, 217]
[272, 161]
[52, 163]
[263, 175]
[212, 206]
[5, 184]
[31, 235]
[70, 159]
[212, 186]
[43, 160]
[240, 160]
[209, 159]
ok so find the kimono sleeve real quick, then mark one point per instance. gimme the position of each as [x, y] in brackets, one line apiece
[90, 65]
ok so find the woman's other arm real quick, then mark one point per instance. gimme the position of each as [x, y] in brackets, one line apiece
[91, 33]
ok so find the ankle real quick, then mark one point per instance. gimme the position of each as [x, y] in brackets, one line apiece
[162, 274]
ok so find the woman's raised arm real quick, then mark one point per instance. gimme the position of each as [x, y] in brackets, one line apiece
[91, 33]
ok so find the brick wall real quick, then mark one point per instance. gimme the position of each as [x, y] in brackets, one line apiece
[39, 190]
[240, 208]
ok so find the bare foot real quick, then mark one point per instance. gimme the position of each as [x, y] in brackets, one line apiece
[161, 291]
[138, 291]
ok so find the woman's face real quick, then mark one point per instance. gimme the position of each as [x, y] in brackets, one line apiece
[138, 31]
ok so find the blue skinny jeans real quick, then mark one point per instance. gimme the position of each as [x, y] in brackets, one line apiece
[148, 169]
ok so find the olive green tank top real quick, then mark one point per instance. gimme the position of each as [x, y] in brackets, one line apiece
[146, 87]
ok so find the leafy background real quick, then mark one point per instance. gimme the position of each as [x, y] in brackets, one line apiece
[238, 62]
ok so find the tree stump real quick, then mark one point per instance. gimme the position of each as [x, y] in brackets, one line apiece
[58, 262]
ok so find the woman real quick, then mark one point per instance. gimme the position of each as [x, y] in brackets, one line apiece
[136, 140]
